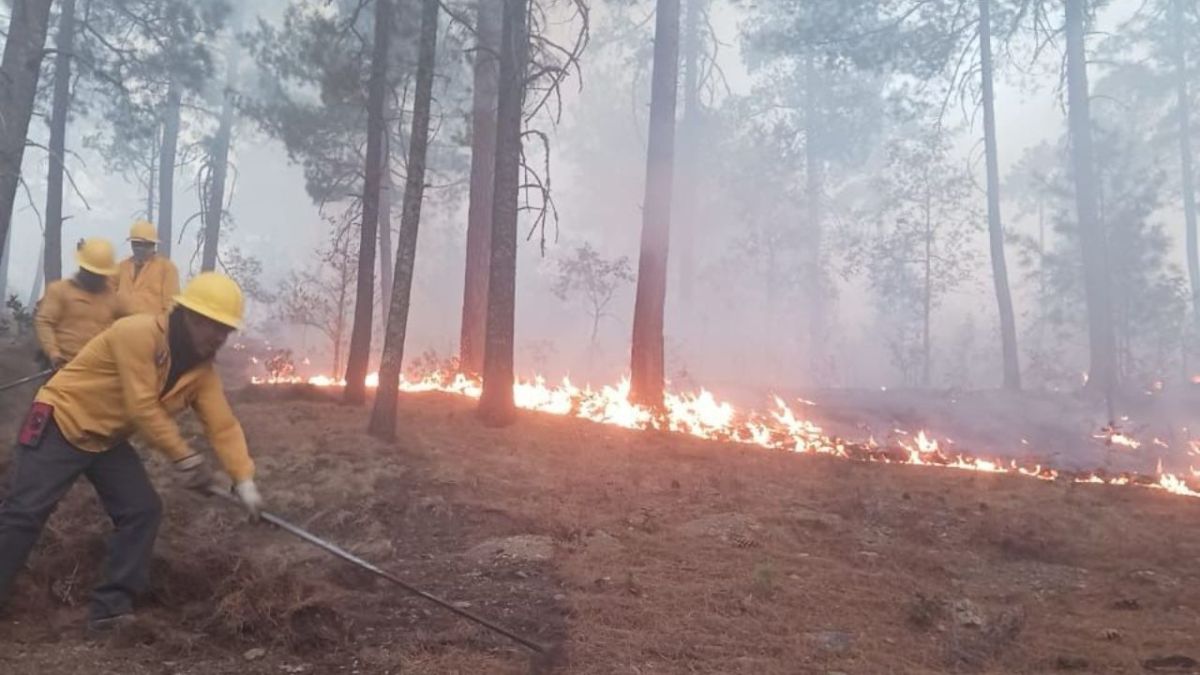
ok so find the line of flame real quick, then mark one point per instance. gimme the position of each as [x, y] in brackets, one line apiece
[780, 428]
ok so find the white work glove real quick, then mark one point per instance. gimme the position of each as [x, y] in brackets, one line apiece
[247, 493]
[194, 472]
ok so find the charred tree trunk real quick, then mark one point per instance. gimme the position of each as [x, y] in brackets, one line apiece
[483, 165]
[814, 186]
[496, 406]
[385, 229]
[1008, 322]
[364, 300]
[383, 415]
[1184, 111]
[166, 169]
[59, 110]
[647, 362]
[687, 167]
[214, 210]
[1102, 344]
[19, 70]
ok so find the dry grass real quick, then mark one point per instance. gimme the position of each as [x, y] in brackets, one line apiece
[671, 556]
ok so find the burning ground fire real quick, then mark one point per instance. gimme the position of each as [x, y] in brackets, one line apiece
[780, 428]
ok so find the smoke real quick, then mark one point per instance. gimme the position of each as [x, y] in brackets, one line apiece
[745, 327]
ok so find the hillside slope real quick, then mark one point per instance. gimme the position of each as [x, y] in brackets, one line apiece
[645, 552]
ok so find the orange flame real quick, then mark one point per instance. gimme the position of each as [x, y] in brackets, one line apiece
[702, 415]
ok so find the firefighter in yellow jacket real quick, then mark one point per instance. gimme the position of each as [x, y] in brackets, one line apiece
[76, 310]
[132, 378]
[146, 282]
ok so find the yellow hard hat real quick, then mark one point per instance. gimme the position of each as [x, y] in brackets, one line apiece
[143, 230]
[215, 296]
[97, 255]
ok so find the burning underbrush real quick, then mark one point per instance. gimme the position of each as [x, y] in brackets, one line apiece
[1062, 449]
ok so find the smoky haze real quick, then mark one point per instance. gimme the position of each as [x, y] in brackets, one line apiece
[742, 322]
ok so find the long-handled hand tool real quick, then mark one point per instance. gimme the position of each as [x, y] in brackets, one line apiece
[547, 652]
[36, 376]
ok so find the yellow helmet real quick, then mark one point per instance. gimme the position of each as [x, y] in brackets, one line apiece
[215, 296]
[97, 255]
[143, 230]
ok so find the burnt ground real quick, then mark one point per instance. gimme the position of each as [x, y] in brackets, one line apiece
[647, 552]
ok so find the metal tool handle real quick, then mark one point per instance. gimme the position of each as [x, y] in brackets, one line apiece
[30, 378]
[340, 552]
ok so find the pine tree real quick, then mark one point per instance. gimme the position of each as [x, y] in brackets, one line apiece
[479, 213]
[383, 415]
[19, 70]
[648, 361]
[360, 335]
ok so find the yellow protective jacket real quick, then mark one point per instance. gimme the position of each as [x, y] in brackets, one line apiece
[150, 290]
[113, 389]
[68, 316]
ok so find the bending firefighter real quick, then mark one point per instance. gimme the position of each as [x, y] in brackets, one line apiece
[131, 378]
[76, 310]
[146, 282]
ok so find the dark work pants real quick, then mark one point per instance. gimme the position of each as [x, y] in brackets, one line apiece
[40, 476]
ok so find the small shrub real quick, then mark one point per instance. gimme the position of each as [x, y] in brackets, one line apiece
[762, 582]
[22, 316]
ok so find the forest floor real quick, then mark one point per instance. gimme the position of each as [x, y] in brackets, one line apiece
[641, 552]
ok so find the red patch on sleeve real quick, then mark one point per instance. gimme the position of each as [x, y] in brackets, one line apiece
[35, 424]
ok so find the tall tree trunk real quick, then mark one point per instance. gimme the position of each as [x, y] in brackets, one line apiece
[364, 300]
[647, 360]
[19, 70]
[152, 176]
[1041, 275]
[496, 406]
[339, 335]
[1184, 111]
[687, 166]
[927, 293]
[5, 254]
[383, 415]
[39, 275]
[483, 165]
[1102, 344]
[1008, 322]
[219, 163]
[166, 168]
[60, 107]
[814, 185]
[385, 229]
[339, 326]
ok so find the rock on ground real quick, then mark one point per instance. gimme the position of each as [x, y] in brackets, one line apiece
[521, 548]
[728, 527]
